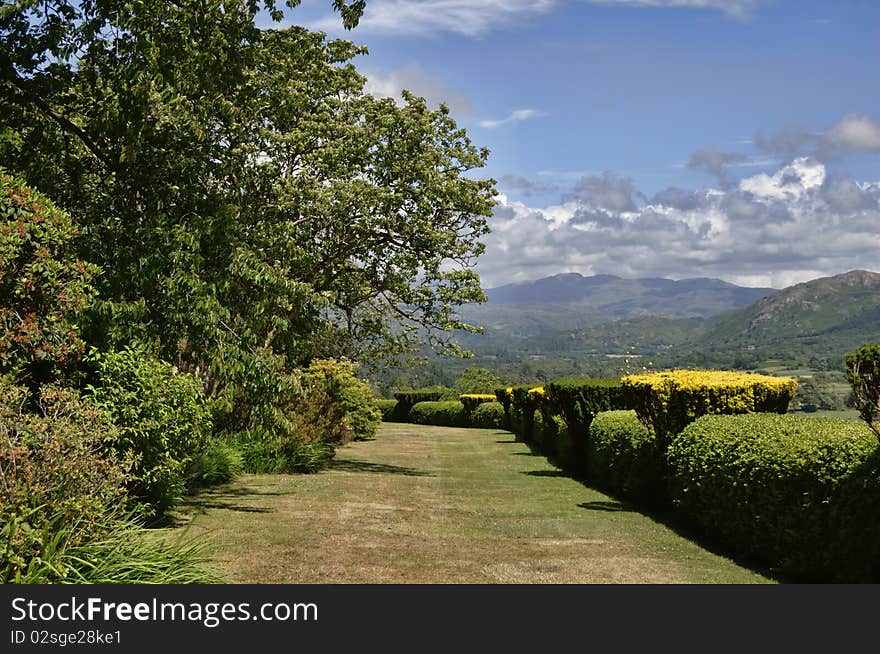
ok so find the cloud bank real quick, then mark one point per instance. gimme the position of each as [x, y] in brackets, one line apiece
[417, 81]
[778, 229]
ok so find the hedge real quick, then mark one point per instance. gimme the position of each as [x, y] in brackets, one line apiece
[668, 401]
[448, 413]
[505, 398]
[577, 401]
[799, 493]
[623, 458]
[488, 415]
[472, 400]
[387, 407]
[863, 374]
[522, 412]
[406, 400]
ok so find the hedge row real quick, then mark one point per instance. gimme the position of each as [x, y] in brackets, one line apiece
[801, 494]
[669, 401]
[483, 413]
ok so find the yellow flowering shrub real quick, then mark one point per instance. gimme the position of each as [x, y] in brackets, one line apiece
[669, 401]
[472, 400]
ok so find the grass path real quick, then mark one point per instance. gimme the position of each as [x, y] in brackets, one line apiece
[439, 505]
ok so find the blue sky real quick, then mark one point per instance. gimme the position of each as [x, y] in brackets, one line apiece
[593, 109]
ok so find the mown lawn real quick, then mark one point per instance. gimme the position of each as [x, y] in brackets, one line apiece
[441, 505]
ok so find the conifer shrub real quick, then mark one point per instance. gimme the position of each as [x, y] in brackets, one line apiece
[863, 374]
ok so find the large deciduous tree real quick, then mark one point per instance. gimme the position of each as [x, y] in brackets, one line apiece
[249, 205]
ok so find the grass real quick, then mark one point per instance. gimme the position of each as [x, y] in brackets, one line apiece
[441, 505]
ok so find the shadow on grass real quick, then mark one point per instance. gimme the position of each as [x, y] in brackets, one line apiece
[545, 473]
[607, 506]
[354, 465]
[507, 442]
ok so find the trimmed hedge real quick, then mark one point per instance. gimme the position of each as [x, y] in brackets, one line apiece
[488, 415]
[623, 458]
[577, 402]
[522, 412]
[387, 407]
[448, 413]
[406, 400]
[472, 400]
[668, 401]
[800, 493]
[505, 399]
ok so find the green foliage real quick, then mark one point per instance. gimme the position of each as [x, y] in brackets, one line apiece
[863, 373]
[472, 400]
[354, 395]
[43, 286]
[668, 401]
[219, 463]
[488, 415]
[623, 458]
[406, 400]
[54, 472]
[386, 408]
[522, 412]
[250, 205]
[447, 413]
[799, 493]
[476, 381]
[579, 400]
[163, 421]
[263, 452]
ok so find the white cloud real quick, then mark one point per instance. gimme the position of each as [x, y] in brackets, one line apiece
[430, 17]
[414, 79]
[516, 116]
[733, 8]
[772, 230]
[854, 132]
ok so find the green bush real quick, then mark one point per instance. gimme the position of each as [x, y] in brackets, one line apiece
[355, 396]
[668, 401]
[42, 285]
[163, 421]
[406, 400]
[863, 373]
[386, 408]
[219, 463]
[55, 473]
[476, 381]
[522, 412]
[488, 415]
[579, 400]
[472, 400]
[267, 453]
[505, 399]
[799, 493]
[622, 458]
[446, 413]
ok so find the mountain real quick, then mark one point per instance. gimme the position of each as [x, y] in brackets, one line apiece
[570, 301]
[817, 320]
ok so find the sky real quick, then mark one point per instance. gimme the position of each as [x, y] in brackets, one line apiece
[737, 139]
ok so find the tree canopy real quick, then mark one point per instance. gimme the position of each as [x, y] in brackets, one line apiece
[249, 206]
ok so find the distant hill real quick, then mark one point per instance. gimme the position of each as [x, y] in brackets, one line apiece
[822, 318]
[571, 301]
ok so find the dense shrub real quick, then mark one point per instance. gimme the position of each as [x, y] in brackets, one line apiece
[622, 457]
[219, 463]
[863, 373]
[505, 399]
[338, 379]
[488, 415]
[800, 493]
[386, 408]
[163, 420]
[472, 400]
[42, 284]
[263, 452]
[406, 400]
[446, 413]
[522, 412]
[579, 400]
[54, 473]
[668, 401]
